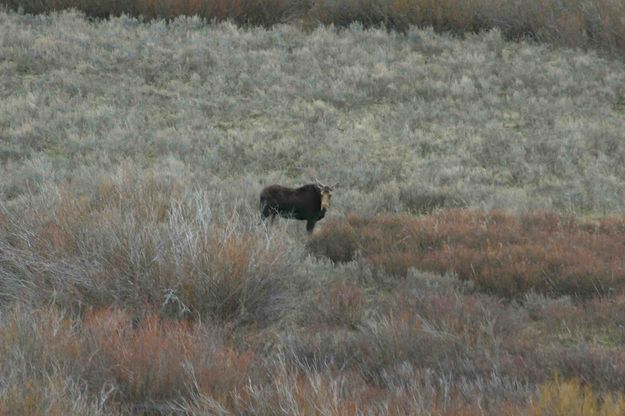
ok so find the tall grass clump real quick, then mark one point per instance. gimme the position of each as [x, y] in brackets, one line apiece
[503, 254]
[139, 241]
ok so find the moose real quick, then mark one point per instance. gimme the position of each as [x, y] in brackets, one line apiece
[309, 202]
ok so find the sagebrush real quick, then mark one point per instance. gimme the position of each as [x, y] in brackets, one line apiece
[137, 278]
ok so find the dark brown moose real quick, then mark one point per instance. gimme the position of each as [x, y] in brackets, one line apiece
[309, 202]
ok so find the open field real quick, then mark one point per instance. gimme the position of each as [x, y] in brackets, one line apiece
[471, 262]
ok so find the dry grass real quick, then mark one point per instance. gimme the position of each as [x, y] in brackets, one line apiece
[438, 353]
[113, 247]
[575, 23]
[260, 12]
[136, 277]
[343, 304]
[503, 254]
[157, 360]
[561, 398]
[137, 363]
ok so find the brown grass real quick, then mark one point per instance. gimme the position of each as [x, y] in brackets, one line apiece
[503, 254]
[149, 359]
[144, 361]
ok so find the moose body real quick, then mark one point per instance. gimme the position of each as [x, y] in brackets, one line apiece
[309, 202]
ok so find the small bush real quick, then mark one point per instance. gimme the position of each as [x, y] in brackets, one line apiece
[40, 365]
[339, 239]
[146, 362]
[422, 200]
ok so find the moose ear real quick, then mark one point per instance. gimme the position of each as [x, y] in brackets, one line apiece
[335, 185]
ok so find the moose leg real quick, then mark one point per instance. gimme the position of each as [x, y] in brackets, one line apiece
[267, 212]
[310, 225]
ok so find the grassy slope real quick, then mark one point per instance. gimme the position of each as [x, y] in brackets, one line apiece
[487, 123]
[132, 155]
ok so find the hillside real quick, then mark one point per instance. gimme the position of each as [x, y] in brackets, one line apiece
[471, 261]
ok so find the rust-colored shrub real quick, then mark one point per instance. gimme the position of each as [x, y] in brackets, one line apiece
[504, 254]
[230, 372]
[235, 277]
[45, 339]
[147, 362]
[157, 359]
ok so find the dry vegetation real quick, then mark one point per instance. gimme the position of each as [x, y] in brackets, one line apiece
[503, 254]
[576, 23]
[136, 278]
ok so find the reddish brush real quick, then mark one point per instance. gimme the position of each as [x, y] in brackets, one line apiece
[502, 253]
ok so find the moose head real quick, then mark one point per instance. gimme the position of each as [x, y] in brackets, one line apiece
[326, 193]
